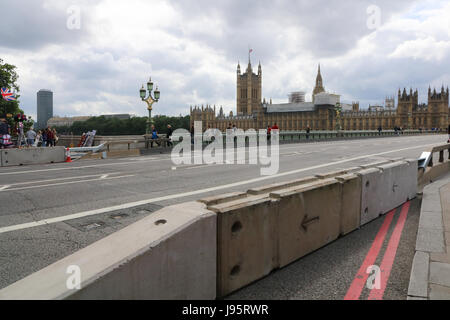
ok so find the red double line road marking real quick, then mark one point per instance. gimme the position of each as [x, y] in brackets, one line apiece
[389, 255]
[359, 282]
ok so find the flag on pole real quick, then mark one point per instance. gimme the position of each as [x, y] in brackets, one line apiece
[7, 94]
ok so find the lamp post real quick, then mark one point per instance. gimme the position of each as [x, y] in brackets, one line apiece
[149, 100]
[338, 110]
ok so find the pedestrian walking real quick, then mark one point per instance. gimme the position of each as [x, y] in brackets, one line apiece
[308, 130]
[31, 136]
[448, 131]
[154, 136]
[275, 127]
[38, 140]
[169, 135]
[49, 137]
[55, 137]
[44, 138]
[20, 134]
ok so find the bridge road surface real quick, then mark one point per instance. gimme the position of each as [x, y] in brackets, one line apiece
[50, 211]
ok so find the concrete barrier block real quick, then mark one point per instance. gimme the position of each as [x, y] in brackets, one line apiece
[371, 194]
[387, 187]
[375, 164]
[399, 184]
[209, 201]
[246, 242]
[17, 157]
[331, 174]
[306, 221]
[351, 203]
[281, 185]
[170, 254]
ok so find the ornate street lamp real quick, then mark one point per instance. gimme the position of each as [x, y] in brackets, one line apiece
[150, 100]
[338, 110]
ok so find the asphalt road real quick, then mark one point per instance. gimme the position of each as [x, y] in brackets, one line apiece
[50, 211]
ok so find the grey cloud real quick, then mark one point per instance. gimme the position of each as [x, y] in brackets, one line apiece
[30, 25]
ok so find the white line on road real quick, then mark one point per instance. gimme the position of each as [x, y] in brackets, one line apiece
[56, 179]
[64, 183]
[190, 193]
[4, 187]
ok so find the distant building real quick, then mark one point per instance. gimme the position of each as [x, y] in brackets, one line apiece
[44, 107]
[65, 121]
[320, 113]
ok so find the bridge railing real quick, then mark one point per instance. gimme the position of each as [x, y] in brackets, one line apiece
[429, 168]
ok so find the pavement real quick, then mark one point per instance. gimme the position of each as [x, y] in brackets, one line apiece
[430, 275]
[50, 211]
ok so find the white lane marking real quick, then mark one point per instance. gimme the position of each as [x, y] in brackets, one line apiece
[56, 179]
[282, 147]
[186, 194]
[104, 176]
[4, 187]
[64, 183]
[204, 166]
[73, 168]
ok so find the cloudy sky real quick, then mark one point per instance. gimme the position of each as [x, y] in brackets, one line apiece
[96, 64]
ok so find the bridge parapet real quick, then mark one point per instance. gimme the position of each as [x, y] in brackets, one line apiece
[429, 169]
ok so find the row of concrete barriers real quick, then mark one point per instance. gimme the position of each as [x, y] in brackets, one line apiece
[212, 247]
[23, 156]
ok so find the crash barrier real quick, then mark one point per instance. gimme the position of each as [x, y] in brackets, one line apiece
[118, 142]
[170, 254]
[23, 156]
[212, 247]
[296, 136]
[432, 167]
[109, 149]
[269, 227]
[301, 136]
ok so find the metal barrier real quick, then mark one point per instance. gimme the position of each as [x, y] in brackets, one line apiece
[429, 170]
[300, 136]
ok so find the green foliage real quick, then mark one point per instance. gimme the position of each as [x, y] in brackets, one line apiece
[8, 79]
[115, 127]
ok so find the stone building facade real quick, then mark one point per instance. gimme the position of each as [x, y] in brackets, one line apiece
[321, 114]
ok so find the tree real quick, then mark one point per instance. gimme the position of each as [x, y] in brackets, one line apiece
[132, 126]
[8, 79]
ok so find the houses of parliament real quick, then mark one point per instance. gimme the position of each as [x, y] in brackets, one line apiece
[253, 112]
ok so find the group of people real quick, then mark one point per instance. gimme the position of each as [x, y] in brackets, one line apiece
[155, 136]
[42, 138]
